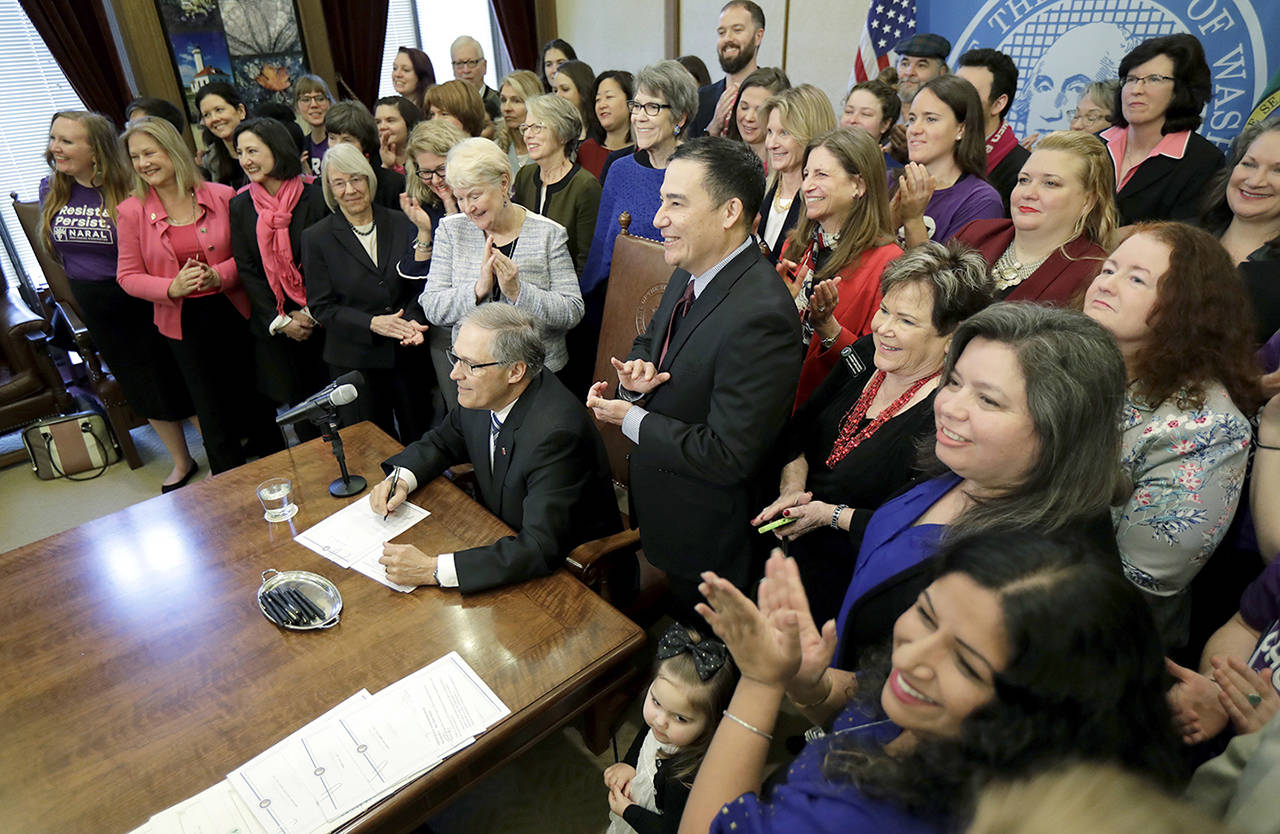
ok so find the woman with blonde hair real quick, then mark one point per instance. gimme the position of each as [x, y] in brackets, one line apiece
[1064, 214]
[833, 259]
[493, 250]
[175, 251]
[457, 102]
[88, 179]
[424, 167]
[514, 93]
[792, 119]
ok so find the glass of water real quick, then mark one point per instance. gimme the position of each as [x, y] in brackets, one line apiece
[276, 495]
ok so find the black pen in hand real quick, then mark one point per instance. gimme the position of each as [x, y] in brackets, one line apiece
[395, 479]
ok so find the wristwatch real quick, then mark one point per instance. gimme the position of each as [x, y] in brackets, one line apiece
[827, 343]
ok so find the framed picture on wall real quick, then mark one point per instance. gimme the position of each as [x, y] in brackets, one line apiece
[254, 45]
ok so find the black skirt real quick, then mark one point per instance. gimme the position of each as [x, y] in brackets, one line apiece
[124, 331]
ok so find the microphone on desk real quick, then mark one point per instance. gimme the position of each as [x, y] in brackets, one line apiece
[320, 405]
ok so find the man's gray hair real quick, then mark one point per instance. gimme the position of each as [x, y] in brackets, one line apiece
[465, 40]
[517, 336]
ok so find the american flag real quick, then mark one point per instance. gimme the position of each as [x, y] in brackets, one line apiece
[888, 22]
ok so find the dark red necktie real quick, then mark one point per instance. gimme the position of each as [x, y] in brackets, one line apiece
[677, 314]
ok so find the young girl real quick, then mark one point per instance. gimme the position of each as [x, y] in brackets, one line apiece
[691, 688]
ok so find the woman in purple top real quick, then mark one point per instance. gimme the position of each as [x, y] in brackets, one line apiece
[944, 185]
[993, 673]
[88, 178]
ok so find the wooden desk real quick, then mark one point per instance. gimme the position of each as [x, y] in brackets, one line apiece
[138, 670]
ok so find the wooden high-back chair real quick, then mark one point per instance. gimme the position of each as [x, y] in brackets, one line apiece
[64, 315]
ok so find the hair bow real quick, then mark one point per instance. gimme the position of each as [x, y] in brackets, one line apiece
[708, 655]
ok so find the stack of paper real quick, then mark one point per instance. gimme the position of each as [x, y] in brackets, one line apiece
[347, 760]
[353, 537]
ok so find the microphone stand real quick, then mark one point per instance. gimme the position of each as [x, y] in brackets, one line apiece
[348, 484]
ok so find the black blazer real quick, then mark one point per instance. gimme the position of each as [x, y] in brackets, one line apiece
[793, 217]
[345, 290]
[286, 370]
[707, 98]
[550, 481]
[1170, 189]
[390, 187]
[734, 364]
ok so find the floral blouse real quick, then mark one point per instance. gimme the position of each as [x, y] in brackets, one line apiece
[1187, 467]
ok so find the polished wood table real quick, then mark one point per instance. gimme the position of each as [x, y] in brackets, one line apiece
[138, 669]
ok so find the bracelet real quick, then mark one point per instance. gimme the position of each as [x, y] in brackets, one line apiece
[830, 685]
[422, 247]
[755, 730]
[835, 515]
[1265, 446]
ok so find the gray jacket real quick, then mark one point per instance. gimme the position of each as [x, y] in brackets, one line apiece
[548, 284]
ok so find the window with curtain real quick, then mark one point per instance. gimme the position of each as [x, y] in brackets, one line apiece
[33, 88]
[432, 27]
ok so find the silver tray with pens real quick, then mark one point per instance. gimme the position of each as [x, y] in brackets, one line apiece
[299, 600]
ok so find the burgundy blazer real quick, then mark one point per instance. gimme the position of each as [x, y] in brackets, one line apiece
[1057, 280]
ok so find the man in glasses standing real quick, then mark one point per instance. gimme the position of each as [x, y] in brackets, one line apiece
[469, 67]
[539, 461]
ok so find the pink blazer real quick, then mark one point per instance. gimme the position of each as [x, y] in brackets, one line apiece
[147, 263]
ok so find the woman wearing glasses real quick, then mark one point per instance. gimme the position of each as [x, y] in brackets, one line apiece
[559, 188]
[367, 307]
[1162, 164]
[424, 169]
[493, 250]
[666, 100]
[312, 100]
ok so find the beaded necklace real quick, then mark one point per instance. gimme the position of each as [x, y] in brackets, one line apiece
[849, 436]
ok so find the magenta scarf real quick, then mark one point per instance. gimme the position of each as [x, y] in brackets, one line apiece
[274, 215]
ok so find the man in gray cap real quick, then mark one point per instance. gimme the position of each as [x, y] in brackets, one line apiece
[921, 58]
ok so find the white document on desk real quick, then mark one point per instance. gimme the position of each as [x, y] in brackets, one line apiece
[353, 537]
[218, 810]
[336, 767]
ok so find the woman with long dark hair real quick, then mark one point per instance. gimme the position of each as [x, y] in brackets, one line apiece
[221, 112]
[944, 186]
[412, 75]
[1021, 653]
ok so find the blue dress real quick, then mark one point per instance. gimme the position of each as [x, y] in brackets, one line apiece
[808, 802]
[892, 544]
[634, 187]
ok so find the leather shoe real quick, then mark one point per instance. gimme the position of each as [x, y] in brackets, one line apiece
[165, 488]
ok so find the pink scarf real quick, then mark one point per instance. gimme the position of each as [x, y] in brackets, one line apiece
[274, 214]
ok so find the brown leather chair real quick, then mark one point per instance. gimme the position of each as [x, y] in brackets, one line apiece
[30, 385]
[64, 315]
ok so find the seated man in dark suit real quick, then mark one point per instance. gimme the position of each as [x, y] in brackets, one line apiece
[539, 460]
[709, 384]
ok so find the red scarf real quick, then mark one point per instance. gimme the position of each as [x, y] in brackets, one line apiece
[274, 216]
[998, 146]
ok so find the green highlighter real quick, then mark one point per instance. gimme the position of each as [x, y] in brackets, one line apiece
[773, 525]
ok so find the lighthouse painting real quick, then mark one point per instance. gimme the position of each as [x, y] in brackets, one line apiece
[254, 45]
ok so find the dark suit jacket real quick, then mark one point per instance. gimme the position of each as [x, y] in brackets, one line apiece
[1170, 189]
[390, 187]
[707, 98]
[734, 364]
[277, 357]
[345, 290]
[549, 481]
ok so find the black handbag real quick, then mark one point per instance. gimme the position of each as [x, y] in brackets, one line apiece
[62, 447]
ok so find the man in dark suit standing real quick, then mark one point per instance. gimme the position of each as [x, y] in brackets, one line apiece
[709, 384]
[539, 460]
[737, 41]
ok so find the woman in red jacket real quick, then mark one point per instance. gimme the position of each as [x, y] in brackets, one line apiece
[1064, 213]
[834, 257]
[175, 251]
